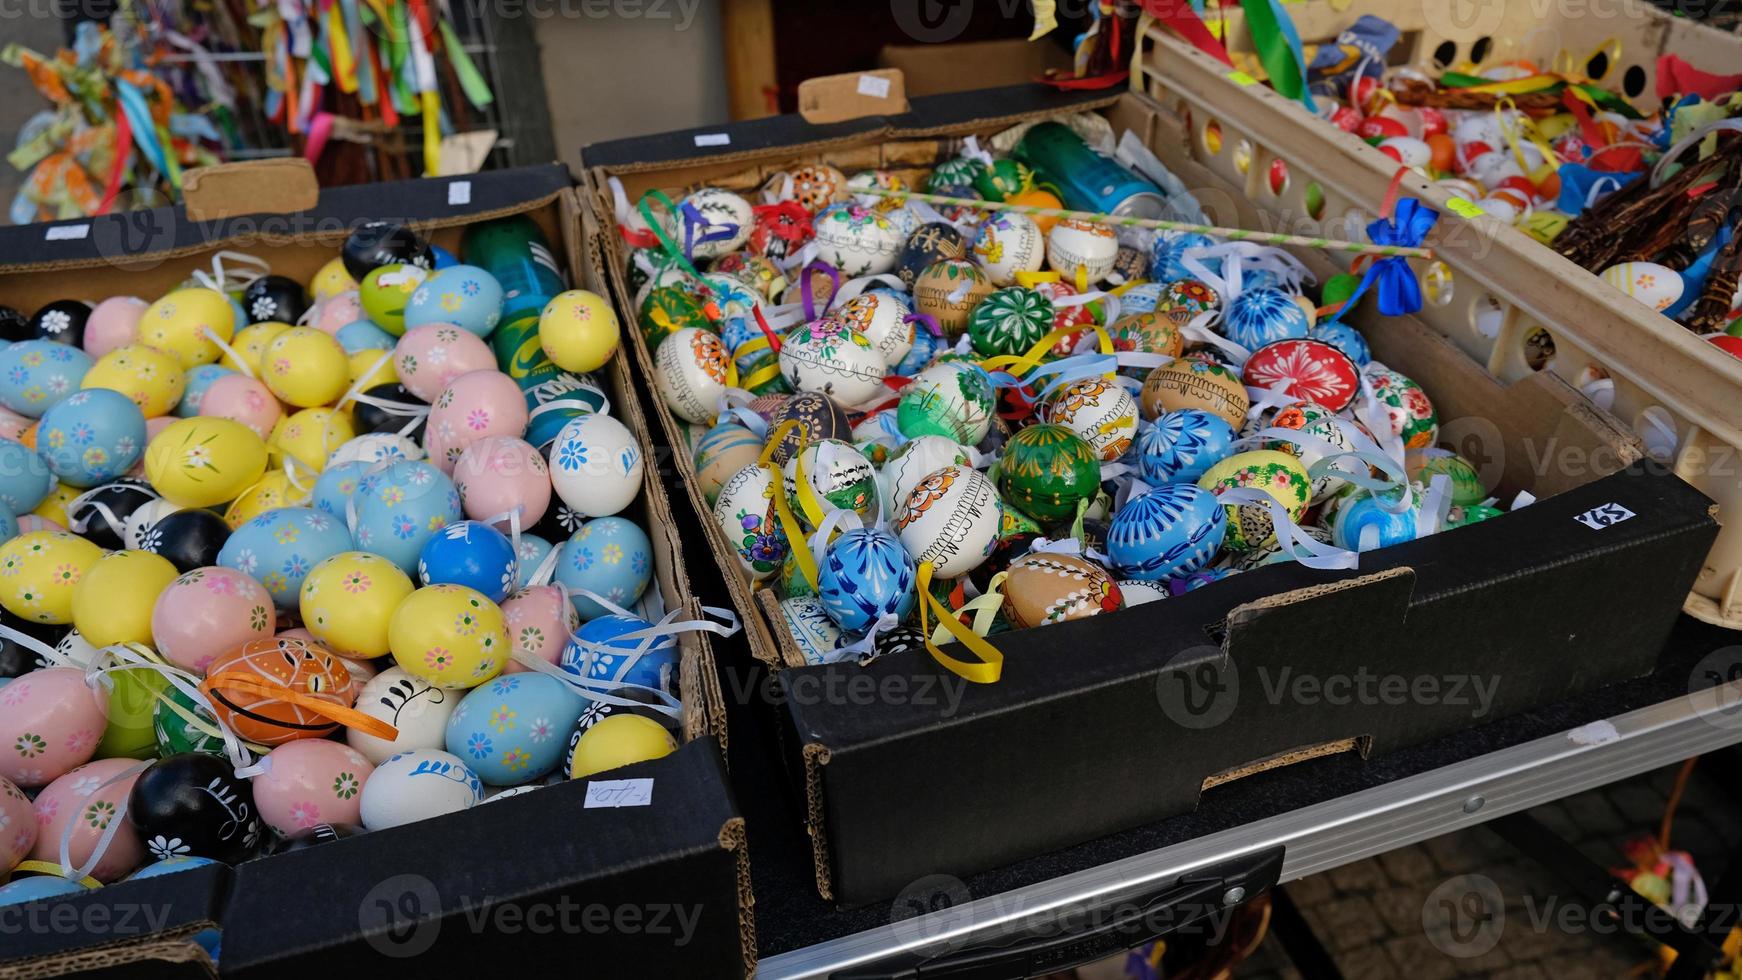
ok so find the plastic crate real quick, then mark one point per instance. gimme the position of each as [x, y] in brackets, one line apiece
[1504, 298]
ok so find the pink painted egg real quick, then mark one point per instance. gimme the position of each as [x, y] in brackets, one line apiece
[89, 799]
[498, 474]
[240, 398]
[17, 825]
[539, 623]
[13, 426]
[471, 407]
[428, 358]
[114, 323]
[50, 721]
[338, 311]
[311, 781]
[207, 612]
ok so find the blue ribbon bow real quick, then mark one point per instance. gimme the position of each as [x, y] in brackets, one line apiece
[1399, 291]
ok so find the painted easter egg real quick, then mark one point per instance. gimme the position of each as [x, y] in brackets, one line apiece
[275, 489]
[37, 374]
[113, 323]
[927, 245]
[1179, 446]
[1276, 473]
[472, 554]
[309, 783]
[202, 461]
[279, 689]
[619, 740]
[1412, 415]
[1261, 316]
[374, 244]
[92, 437]
[1042, 589]
[1006, 244]
[818, 185]
[1274, 553]
[540, 620]
[473, 406]
[208, 612]
[1656, 286]
[151, 379]
[596, 465]
[246, 348]
[39, 572]
[1171, 249]
[399, 508]
[690, 370]
[914, 461]
[950, 519]
[348, 599]
[386, 291]
[1171, 530]
[1364, 522]
[499, 474]
[279, 547]
[777, 232]
[305, 441]
[1149, 333]
[578, 330]
[954, 399]
[1195, 383]
[948, 290]
[463, 296]
[514, 729]
[25, 478]
[667, 310]
[239, 398]
[815, 416]
[830, 357]
[1081, 248]
[184, 321]
[1010, 321]
[858, 241]
[610, 557]
[866, 575]
[1322, 425]
[840, 478]
[745, 512]
[449, 635]
[195, 804]
[1463, 481]
[881, 316]
[418, 785]
[813, 632]
[429, 357]
[1344, 338]
[720, 452]
[88, 800]
[52, 722]
[1047, 470]
[114, 600]
[611, 650]
[19, 827]
[199, 381]
[713, 220]
[1310, 370]
[417, 710]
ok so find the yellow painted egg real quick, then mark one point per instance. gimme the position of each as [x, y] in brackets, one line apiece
[376, 365]
[54, 506]
[113, 602]
[178, 324]
[307, 438]
[578, 330]
[348, 600]
[38, 572]
[1278, 474]
[619, 740]
[277, 488]
[449, 635]
[305, 367]
[250, 343]
[204, 461]
[331, 280]
[154, 379]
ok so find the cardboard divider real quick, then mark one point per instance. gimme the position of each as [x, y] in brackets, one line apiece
[1034, 754]
[690, 843]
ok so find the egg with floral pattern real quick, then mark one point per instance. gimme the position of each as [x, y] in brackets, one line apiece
[1010, 321]
[857, 241]
[951, 520]
[88, 800]
[1412, 415]
[596, 465]
[1102, 412]
[746, 514]
[609, 557]
[36, 374]
[812, 630]
[840, 478]
[514, 729]
[92, 437]
[25, 478]
[449, 635]
[720, 452]
[1171, 530]
[401, 507]
[17, 825]
[428, 358]
[615, 649]
[1009, 243]
[1262, 316]
[464, 296]
[882, 317]
[279, 547]
[539, 623]
[199, 381]
[39, 572]
[50, 721]
[948, 290]
[472, 554]
[831, 357]
[1180, 446]
[473, 406]
[311, 782]
[1047, 471]
[689, 370]
[1075, 247]
[1275, 473]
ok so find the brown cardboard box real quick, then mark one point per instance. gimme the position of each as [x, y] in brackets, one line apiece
[933, 69]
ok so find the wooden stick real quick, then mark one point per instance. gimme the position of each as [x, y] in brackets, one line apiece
[1236, 234]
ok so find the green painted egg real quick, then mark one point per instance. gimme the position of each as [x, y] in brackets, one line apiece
[1472, 514]
[181, 726]
[132, 701]
[841, 477]
[793, 584]
[1010, 321]
[1047, 470]
[1005, 178]
[1013, 523]
[953, 399]
[1466, 484]
[960, 172]
[666, 310]
[1277, 474]
[1412, 415]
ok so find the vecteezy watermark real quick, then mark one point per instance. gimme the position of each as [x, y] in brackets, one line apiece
[850, 688]
[1716, 672]
[1464, 917]
[115, 920]
[1467, 916]
[1203, 691]
[399, 918]
[1468, 18]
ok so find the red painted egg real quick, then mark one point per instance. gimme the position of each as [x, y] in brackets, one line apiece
[1311, 370]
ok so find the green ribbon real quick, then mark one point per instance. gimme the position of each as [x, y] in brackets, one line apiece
[1275, 52]
[471, 82]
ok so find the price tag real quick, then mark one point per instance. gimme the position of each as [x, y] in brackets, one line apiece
[713, 139]
[618, 793]
[875, 86]
[459, 192]
[1463, 208]
[67, 233]
[1241, 78]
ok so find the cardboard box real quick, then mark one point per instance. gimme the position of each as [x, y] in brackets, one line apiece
[683, 849]
[930, 775]
[937, 69]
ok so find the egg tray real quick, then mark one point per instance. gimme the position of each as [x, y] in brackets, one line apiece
[688, 846]
[933, 775]
[1506, 296]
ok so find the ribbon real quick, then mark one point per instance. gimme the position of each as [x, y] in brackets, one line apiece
[1399, 291]
[990, 666]
[1180, 18]
[1279, 49]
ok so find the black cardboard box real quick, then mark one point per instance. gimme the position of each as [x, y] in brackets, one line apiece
[131, 928]
[1114, 721]
[311, 910]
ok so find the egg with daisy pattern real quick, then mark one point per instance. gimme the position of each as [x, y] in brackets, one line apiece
[463, 295]
[401, 507]
[279, 547]
[609, 557]
[614, 650]
[514, 729]
[37, 374]
[92, 437]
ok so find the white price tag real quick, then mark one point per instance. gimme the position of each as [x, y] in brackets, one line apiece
[713, 139]
[875, 86]
[459, 192]
[67, 233]
[619, 792]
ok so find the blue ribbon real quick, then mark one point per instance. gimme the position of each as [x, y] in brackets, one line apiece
[693, 221]
[1069, 369]
[1577, 181]
[1399, 292]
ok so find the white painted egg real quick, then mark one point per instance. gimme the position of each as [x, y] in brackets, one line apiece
[1137, 592]
[690, 369]
[595, 465]
[830, 357]
[839, 475]
[1009, 243]
[1103, 412]
[417, 708]
[913, 462]
[1411, 152]
[1499, 209]
[745, 512]
[857, 241]
[950, 519]
[1073, 244]
[1657, 286]
[812, 630]
[418, 785]
[881, 316]
[721, 213]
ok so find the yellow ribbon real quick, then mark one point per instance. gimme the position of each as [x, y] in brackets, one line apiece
[1019, 364]
[432, 133]
[982, 610]
[991, 664]
[54, 870]
[760, 376]
[344, 64]
[795, 537]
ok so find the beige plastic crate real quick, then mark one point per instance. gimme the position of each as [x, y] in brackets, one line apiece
[1507, 300]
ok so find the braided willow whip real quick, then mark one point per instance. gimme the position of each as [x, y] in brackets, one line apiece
[1234, 234]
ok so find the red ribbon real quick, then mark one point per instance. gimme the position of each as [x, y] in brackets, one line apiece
[1184, 21]
[123, 149]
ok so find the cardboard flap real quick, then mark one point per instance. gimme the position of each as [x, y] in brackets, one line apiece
[837, 98]
[277, 186]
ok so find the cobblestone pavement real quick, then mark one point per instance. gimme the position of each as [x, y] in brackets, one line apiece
[1369, 915]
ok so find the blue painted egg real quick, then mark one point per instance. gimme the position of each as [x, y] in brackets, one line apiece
[335, 486]
[171, 865]
[401, 507]
[463, 295]
[441, 258]
[472, 554]
[866, 574]
[607, 653]
[533, 550]
[554, 401]
[1362, 523]
[92, 437]
[1263, 316]
[925, 346]
[24, 476]
[1344, 338]
[198, 380]
[1260, 279]
[1171, 530]
[277, 549]
[38, 888]
[1180, 445]
[8, 524]
[1140, 298]
[36, 374]
[1193, 581]
[1169, 248]
[360, 335]
[513, 730]
[610, 556]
